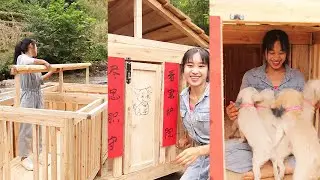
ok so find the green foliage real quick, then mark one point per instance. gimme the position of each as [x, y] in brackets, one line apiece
[64, 34]
[197, 10]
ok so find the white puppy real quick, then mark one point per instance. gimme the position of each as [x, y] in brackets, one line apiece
[301, 134]
[251, 125]
[282, 147]
[311, 94]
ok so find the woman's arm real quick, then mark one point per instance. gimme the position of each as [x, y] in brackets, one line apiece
[47, 75]
[204, 150]
[42, 62]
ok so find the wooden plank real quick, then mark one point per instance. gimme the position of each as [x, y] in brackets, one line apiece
[164, 34]
[17, 90]
[137, 18]
[7, 171]
[216, 107]
[145, 50]
[36, 116]
[69, 146]
[299, 57]
[156, 6]
[45, 151]
[69, 97]
[239, 36]
[99, 109]
[54, 163]
[2, 148]
[35, 151]
[87, 75]
[255, 11]
[19, 69]
[60, 81]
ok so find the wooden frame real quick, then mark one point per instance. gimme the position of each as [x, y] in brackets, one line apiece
[73, 128]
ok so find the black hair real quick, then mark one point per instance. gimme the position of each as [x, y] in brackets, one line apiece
[276, 35]
[204, 54]
[22, 47]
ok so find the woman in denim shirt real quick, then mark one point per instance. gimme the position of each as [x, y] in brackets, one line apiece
[194, 110]
[275, 74]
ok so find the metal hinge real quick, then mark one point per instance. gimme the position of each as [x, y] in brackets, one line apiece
[128, 70]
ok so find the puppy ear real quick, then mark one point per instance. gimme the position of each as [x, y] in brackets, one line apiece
[257, 98]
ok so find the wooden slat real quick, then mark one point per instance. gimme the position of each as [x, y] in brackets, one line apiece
[69, 97]
[155, 5]
[299, 59]
[239, 36]
[7, 171]
[164, 34]
[35, 147]
[17, 90]
[19, 69]
[2, 148]
[255, 11]
[137, 18]
[45, 151]
[54, 162]
[87, 75]
[60, 81]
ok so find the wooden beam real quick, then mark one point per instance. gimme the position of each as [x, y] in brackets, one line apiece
[300, 59]
[164, 34]
[238, 36]
[39, 116]
[155, 5]
[60, 81]
[268, 13]
[19, 69]
[87, 76]
[145, 50]
[137, 18]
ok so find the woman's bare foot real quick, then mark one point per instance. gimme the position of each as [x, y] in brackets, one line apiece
[266, 172]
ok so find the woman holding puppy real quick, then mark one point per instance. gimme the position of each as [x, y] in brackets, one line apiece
[275, 74]
[194, 110]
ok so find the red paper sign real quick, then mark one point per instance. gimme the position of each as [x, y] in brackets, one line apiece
[171, 97]
[116, 85]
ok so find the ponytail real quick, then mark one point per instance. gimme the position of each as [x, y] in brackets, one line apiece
[22, 47]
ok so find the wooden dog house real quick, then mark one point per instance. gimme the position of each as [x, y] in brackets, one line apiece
[147, 36]
[73, 128]
[237, 29]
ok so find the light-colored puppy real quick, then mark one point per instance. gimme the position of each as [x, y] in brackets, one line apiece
[302, 135]
[282, 147]
[251, 125]
[311, 94]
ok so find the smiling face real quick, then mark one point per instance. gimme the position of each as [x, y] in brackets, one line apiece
[276, 56]
[195, 70]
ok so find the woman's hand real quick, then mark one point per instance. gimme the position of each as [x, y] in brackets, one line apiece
[184, 142]
[188, 156]
[232, 111]
[47, 65]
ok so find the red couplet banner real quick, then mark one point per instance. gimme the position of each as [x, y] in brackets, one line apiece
[116, 85]
[171, 105]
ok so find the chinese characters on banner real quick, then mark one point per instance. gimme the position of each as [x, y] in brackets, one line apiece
[171, 107]
[116, 85]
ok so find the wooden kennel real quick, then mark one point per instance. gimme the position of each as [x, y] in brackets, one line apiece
[237, 29]
[73, 128]
[147, 35]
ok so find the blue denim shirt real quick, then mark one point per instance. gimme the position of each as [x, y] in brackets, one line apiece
[197, 122]
[257, 78]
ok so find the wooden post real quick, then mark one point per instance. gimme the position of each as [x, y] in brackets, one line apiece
[216, 100]
[138, 18]
[60, 80]
[87, 75]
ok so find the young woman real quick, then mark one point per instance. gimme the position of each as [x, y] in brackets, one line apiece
[194, 110]
[275, 74]
[31, 96]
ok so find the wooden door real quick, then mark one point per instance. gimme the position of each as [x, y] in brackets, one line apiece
[142, 119]
[237, 59]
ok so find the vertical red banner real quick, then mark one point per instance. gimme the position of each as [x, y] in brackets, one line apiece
[116, 85]
[170, 105]
[216, 100]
